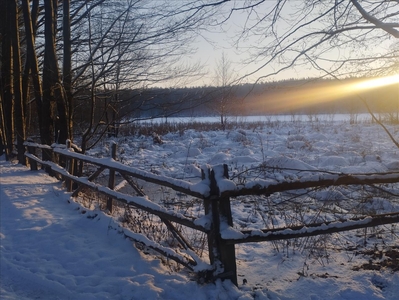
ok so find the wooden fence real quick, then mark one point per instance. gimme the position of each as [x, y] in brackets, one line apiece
[215, 189]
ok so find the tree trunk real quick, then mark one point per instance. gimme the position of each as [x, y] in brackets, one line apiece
[2, 128]
[19, 115]
[48, 111]
[67, 65]
[25, 91]
[30, 25]
[6, 78]
[54, 117]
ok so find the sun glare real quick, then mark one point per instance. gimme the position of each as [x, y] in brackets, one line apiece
[295, 98]
[377, 82]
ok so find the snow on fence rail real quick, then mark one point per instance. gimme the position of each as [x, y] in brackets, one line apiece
[215, 189]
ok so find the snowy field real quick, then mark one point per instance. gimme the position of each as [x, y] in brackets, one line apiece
[51, 250]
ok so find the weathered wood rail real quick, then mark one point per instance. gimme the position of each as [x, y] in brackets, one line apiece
[215, 189]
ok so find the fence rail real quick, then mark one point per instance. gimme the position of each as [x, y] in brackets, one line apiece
[215, 190]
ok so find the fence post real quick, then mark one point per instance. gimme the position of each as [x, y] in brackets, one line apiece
[69, 165]
[111, 181]
[47, 155]
[32, 162]
[206, 174]
[222, 255]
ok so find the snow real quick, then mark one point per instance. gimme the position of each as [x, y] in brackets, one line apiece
[204, 221]
[223, 183]
[55, 248]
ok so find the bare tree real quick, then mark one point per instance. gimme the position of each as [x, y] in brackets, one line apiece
[313, 31]
[224, 79]
[125, 45]
[105, 47]
[19, 113]
[6, 79]
[67, 65]
[31, 63]
[12, 112]
[334, 37]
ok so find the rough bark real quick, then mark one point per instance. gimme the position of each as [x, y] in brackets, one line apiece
[30, 19]
[54, 117]
[6, 78]
[19, 115]
[67, 66]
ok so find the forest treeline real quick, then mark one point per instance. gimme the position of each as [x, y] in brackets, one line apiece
[293, 96]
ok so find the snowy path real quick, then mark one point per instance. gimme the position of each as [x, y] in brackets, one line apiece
[49, 250]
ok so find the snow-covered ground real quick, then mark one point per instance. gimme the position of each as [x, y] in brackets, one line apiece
[50, 249]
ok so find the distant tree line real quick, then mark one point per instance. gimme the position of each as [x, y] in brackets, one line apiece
[292, 96]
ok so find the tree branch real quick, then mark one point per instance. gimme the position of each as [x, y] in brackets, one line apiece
[384, 26]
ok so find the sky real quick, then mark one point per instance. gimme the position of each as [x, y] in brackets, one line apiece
[223, 39]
